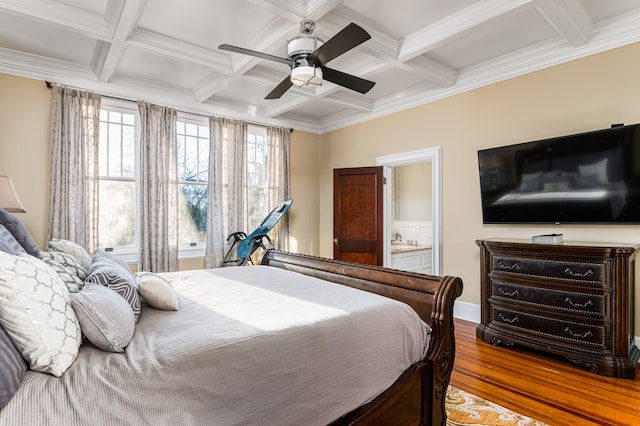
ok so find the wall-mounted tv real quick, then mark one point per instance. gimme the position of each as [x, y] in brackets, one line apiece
[586, 178]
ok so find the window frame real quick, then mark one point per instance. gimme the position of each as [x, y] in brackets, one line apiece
[193, 250]
[129, 253]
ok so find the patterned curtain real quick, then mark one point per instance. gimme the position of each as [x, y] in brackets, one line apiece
[158, 189]
[227, 186]
[279, 181]
[73, 201]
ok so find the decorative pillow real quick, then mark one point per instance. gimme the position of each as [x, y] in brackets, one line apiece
[101, 254]
[157, 292]
[106, 319]
[19, 232]
[72, 249]
[8, 242]
[37, 314]
[598, 168]
[111, 274]
[66, 260]
[69, 277]
[530, 182]
[12, 368]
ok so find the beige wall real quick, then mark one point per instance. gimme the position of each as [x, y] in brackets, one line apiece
[412, 191]
[582, 95]
[25, 126]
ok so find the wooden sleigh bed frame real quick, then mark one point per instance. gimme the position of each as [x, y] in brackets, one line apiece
[418, 396]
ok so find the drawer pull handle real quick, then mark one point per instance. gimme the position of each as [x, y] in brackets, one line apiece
[510, 321]
[582, 336]
[509, 294]
[503, 265]
[578, 305]
[578, 274]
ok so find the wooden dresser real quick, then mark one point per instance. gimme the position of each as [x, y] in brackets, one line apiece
[571, 299]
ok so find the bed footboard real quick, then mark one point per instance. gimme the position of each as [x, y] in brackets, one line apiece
[418, 396]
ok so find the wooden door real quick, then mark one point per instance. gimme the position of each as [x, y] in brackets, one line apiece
[357, 215]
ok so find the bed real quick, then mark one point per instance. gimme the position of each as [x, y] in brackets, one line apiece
[336, 355]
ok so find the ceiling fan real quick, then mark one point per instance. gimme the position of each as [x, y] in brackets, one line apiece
[307, 56]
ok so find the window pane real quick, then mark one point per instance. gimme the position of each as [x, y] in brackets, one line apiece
[181, 158]
[258, 208]
[115, 158]
[117, 213]
[203, 166]
[191, 158]
[129, 119]
[204, 132]
[191, 129]
[128, 152]
[115, 117]
[193, 213]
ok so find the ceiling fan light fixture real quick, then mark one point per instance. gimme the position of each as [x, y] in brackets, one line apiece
[306, 75]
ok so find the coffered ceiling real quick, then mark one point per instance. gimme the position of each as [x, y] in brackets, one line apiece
[166, 51]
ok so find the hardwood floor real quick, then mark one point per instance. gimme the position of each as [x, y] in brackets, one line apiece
[541, 386]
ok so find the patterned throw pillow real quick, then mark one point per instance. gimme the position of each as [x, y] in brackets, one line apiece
[8, 243]
[19, 232]
[37, 314]
[109, 273]
[66, 260]
[157, 292]
[72, 249]
[12, 368]
[105, 317]
[69, 277]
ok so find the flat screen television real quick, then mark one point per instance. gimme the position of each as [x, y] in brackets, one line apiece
[586, 178]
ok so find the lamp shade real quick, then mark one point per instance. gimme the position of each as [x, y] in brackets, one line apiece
[8, 197]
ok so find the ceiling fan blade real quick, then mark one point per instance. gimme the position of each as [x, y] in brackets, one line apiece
[250, 52]
[280, 89]
[349, 37]
[347, 80]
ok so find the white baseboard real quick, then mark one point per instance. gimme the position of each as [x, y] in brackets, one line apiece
[471, 312]
[467, 311]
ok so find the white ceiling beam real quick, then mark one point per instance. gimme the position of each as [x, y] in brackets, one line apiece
[478, 13]
[569, 18]
[283, 105]
[174, 48]
[439, 74]
[208, 86]
[296, 10]
[106, 60]
[85, 22]
[350, 99]
[379, 45]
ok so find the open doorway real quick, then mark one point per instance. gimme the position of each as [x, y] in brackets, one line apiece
[416, 240]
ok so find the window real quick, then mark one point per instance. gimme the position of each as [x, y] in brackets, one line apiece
[117, 176]
[193, 181]
[257, 175]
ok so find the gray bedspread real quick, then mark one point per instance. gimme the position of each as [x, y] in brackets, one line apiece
[249, 346]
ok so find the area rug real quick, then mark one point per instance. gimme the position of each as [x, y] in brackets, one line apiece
[465, 409]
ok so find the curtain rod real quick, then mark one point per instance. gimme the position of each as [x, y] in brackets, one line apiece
[50, 86]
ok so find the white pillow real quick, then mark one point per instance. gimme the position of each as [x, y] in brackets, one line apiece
[73, 249]
[106, 318]
[157, 292]
[37, 314]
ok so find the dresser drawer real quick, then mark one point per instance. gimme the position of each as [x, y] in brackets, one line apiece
[552, 330]
[552, 299]
[585, 272]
